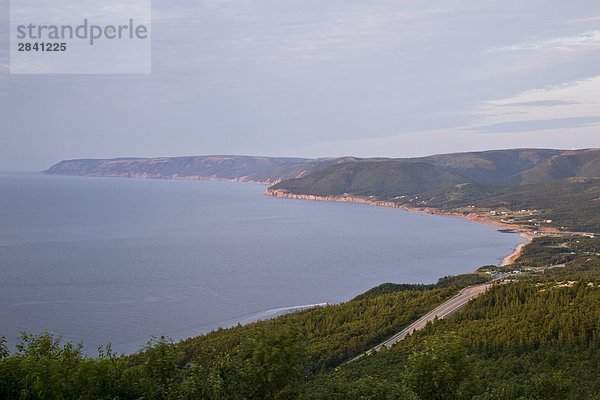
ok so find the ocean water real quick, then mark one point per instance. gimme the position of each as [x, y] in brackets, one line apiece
[100, 260]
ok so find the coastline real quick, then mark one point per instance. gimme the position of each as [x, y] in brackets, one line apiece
[208, 178]
[472, 217]
[511, 258]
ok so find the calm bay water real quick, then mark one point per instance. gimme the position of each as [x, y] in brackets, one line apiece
[101, 260]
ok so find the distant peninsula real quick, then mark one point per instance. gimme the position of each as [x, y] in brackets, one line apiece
[264, 170]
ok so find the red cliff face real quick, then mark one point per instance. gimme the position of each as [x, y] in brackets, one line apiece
[341, 199]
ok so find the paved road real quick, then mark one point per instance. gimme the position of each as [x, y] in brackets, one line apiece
[445, 310]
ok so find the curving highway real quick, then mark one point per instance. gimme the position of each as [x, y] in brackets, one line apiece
[444, 310]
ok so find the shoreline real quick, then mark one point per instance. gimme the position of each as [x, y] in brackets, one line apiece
[148, 176]
[518, 251]
[471, 217]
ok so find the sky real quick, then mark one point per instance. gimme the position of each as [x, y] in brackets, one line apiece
[322, 79]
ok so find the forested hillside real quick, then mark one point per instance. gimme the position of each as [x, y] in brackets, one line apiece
[384, 177]
[571, 204]
[563, 187]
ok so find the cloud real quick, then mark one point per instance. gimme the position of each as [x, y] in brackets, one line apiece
[348, 31]
[539, 103]
[556, 116]
[586, 39]
[292, 74]
[423, 143]
[538, 125]
[594, 18]
[569, 103]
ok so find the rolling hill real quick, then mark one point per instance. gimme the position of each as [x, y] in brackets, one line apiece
[384, 178]
[502, 168]
[562, 186]
[236, 168]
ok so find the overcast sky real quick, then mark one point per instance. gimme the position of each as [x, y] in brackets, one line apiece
[318, 78]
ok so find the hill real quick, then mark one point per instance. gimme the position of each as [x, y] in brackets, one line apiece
[571, 204]
[499, 167]
[419, 175]
[375, 176]
[569, 164]
[235, 168]
[560, 186]
[385, 178]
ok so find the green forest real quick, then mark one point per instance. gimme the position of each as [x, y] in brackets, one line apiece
[563, 187]
[536, 337]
